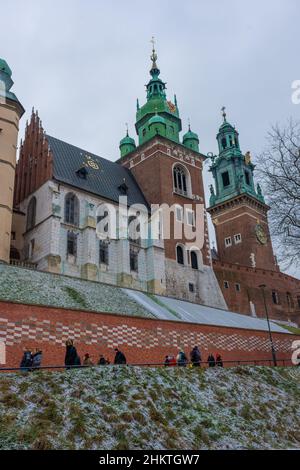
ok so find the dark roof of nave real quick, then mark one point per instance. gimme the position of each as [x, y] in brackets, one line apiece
[94, 174]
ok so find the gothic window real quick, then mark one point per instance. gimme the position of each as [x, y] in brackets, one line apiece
[100, 218]
[134, 229]
[275, 297]
[194, 260]
[103, 252]
[180, 180]
[179, 214]
[225, 179]
[226, 284]
[133, 258]
[179, 254]
[72, 244]
[238, 287]
[247, 177]
[71, 209]
[289, 300]
[190, 217]
[31, 214]
[191, 287]
[224, 143]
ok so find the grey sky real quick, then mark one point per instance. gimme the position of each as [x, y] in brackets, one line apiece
[82, 64]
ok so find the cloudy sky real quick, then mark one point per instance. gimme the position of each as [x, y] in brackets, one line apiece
[83, 64]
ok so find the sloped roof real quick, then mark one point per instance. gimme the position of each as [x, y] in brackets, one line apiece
[103, 177]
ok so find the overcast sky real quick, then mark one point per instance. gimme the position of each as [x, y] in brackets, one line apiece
[83, 64]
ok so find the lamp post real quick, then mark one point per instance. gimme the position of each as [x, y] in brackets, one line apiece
[262, 287]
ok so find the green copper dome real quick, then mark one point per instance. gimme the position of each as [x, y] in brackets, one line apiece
[191, 140]
[5, 68]
[127, 145]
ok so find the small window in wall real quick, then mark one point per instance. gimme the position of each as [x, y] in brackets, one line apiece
[179, 214]
[72, 244]
[179, 255]
[103, 252]
[230, 141]
[237, 238]
[71, 209]
[191, 287]
[238, 287]
[226, 284]
[228, 242]
[247, 178]
[224, 144]
[225, 179]
[275, 297]
[190, 217]
[289, 300]
[133, 259]
[194, 260]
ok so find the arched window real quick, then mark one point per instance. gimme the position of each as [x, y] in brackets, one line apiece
[71, 209]
[31, 214]
[179, 254]
[180, 180]
[194, 260]
[224, 143]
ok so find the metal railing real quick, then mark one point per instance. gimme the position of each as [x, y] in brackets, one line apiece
[203, 364]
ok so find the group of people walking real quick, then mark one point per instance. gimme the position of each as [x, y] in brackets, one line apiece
[181, 359]
[33, 360]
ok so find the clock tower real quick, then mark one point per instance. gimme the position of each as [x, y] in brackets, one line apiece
[237, 207]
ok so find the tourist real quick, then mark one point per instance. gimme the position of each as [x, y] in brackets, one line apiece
[87, 362]
[181, 359]
[102, 361]
[219, 361]
[26, 361]
[119, 357]
[211, 360]
[37, 359]
[166, 361]
[71, 357]
[195, 357]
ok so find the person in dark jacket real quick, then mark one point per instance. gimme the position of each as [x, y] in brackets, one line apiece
[181, 359]
[167, 361]
[195, 356]
[71, 357]
[119, 357]
[26, 361]
[211, 360]
[37, 359]
[102, 361]
[219, 361]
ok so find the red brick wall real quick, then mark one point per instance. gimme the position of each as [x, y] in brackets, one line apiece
[249, 280]
[141, 339]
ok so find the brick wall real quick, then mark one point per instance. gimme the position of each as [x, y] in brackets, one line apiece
[141, 339]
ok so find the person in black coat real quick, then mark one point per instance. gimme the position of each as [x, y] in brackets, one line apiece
[211, 360]
[71, 357]
[26, 361]
[219, 360]
[195, 356]
[119, 357]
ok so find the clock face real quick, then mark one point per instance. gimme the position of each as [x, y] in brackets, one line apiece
[261, 234]
[171, 106]
[91, 162]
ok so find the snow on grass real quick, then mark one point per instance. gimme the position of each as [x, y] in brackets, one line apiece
[147, 408]
[35, 287]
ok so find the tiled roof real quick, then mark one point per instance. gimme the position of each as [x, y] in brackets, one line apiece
[103, 177]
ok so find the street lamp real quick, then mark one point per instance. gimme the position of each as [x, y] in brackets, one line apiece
[262, 287]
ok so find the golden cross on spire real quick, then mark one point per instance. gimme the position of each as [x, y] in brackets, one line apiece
[154, 55]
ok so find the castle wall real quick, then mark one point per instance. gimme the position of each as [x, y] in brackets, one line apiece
[249, 280]
[142, 340]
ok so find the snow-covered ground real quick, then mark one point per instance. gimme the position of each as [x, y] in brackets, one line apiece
[122, 407]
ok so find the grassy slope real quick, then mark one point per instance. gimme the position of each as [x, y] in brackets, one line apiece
[134, 408]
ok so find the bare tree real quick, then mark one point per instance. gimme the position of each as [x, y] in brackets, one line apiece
[280, 174]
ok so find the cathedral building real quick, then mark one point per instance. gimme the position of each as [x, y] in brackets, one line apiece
[62, 193]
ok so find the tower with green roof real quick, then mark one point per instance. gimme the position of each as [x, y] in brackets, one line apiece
[158, 116]
[11, 111]
[237, 207]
